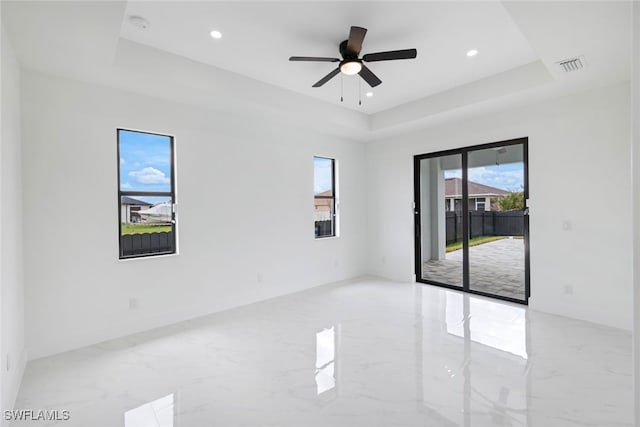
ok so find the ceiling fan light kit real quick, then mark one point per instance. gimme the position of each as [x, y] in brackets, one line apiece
[351, 64]
[350, 68]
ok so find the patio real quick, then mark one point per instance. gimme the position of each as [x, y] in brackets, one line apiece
[495, 267]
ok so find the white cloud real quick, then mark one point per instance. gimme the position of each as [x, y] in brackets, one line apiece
[149, 176]
[511, 180]
[122, 161]
[125, 185]
[507, 179]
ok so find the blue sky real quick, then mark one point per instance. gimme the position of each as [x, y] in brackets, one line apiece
[321, 175]
[508, 177]
[145, 162]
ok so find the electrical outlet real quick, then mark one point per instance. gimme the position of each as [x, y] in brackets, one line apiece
[133, 303]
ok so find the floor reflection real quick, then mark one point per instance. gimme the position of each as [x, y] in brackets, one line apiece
[493, 324]
[326, 360]
[158, 413]
[477, 373]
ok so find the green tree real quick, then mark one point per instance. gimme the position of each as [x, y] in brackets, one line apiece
[512, 201]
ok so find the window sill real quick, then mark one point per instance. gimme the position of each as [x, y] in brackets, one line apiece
[135, 258]
[326, 238]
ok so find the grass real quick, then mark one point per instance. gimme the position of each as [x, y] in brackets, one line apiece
[144, 228]
[474, 242]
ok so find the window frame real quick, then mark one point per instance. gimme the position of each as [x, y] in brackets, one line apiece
[333, 197]
[171, 194]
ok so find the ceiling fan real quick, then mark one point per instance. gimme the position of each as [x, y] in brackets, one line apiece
[351, 64]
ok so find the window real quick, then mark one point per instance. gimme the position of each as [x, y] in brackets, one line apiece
[480, 204]
[324, 193]
[146, 194]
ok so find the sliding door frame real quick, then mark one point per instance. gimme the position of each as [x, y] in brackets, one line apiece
[464, 152]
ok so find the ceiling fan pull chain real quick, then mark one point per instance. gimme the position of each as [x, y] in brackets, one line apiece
[341, 88]
[359, 92]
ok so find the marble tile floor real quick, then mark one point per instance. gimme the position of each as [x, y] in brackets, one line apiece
[365, 353]
[495, 267]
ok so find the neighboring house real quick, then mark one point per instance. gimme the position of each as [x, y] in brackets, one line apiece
[323, 207]
[157, 214]
[129, 209]
[480, 195]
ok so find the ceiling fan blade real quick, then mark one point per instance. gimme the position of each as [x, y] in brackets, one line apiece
[369, 77]
[354, 43]
[390, 55]
[327, 78]
[313, 59]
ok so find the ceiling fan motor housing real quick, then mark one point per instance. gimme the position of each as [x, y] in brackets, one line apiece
[345, 54]
[349, 58]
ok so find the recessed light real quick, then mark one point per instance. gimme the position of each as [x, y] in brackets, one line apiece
[216, 34]
[369, 94]
[472, 52]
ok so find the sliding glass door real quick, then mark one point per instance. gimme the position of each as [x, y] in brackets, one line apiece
[471, 219]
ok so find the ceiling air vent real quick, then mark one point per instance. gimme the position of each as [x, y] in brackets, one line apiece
[572, 64]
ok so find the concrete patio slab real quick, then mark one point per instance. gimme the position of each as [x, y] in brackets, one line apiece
[495, 267]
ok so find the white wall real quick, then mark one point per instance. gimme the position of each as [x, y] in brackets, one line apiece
[579, 172]
[11, 284]
[228, 168]
[635, 133]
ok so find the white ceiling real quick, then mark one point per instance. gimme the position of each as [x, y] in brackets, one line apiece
[176, 59]
[258, 39]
